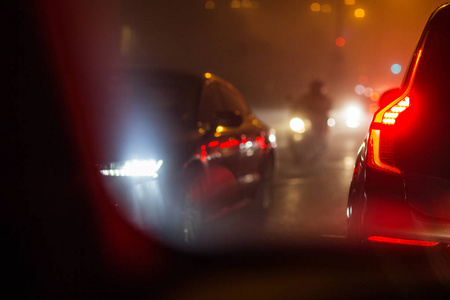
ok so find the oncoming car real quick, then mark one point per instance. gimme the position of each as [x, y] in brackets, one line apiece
[176, 150]
[400, 192]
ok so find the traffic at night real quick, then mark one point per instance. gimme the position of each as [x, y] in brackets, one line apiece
[229, 149]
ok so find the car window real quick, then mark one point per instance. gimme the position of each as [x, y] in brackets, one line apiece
[210, 103]
[233, 101]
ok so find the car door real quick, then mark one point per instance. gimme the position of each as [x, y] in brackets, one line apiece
[220, 153]
[249, 135]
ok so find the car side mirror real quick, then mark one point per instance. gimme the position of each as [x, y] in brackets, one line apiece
[228, 118]
[389, 96]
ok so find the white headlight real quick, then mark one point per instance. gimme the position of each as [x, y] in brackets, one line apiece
[297, 125]
[135, 168]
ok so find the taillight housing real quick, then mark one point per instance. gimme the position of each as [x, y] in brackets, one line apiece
[382, 136]
[381, 139]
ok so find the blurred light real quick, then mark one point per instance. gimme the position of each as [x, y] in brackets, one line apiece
[235, 4]
[326, 8]
[219, 129]
[368, 92]
[272, 138]
[297, 125]
[383, 239]
[396, 68]
[261, 142]
[353, 114]
[349, 2]
[360, 13]
[229, 144]
[353, 111]
[359, 89]
[208, 75]
[136, 168]
[315, 7]
[213, 144]
[209, 4]
[352, 123]
[331, 122]
[373, 107]
[375, 96]
[363, 79]
[340, 42]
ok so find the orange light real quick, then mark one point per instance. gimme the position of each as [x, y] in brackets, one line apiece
[209, 4]
[382, 239]
[360, 13]
[315, 7]
[349, 2]
[208, 75]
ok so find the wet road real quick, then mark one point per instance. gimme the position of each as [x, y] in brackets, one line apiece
[310, 197]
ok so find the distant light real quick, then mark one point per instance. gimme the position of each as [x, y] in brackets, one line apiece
[297, 125]
[235, 4]
[207, 75]
[349, 2]
[209, 4]
[375, 96]
[396, 68]
[331, 122]
[315, 7]
[340, 42]
[368, 92]
[272, 138]
[326, 8]
[359, 89]
[352, 123]
[360, 13]
[219, 129]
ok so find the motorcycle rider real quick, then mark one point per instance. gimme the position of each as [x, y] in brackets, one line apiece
[316, 104]
[313, 108]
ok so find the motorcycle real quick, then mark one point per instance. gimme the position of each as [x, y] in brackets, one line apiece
[308, 134]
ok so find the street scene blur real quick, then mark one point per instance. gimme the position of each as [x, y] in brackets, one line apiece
[228, 149]
[311, 71]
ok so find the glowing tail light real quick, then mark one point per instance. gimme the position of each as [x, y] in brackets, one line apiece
[382, 133]
[382, 239]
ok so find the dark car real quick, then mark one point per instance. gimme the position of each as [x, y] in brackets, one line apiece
[176, 150]
[400, 192]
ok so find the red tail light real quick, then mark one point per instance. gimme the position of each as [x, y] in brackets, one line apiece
[381, 134]
[382, 239]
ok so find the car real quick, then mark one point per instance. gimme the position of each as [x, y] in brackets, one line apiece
[176, 150]
[400, 191]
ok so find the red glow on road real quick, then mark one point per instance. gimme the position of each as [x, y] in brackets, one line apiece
[382, 239]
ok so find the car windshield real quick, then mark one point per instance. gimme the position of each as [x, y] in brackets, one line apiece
[239, 125]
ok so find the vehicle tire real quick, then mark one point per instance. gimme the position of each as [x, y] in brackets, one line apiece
[190, 221]
[265, 190]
